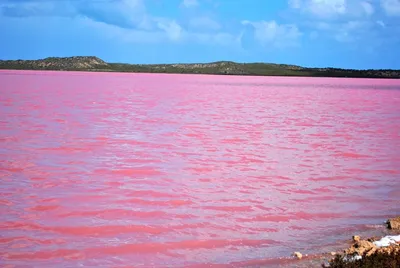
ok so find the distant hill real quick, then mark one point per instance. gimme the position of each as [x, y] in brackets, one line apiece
[82, 63]
[54, 63]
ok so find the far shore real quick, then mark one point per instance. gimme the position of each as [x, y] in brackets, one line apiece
[196, 74]
[95, 64]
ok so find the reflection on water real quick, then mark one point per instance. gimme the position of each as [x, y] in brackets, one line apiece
[157, 170]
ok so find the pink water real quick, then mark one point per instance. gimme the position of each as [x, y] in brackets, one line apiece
[153, 170]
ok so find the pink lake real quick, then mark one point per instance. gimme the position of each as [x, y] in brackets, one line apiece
[157, 170]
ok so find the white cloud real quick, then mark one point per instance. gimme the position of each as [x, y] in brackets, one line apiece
[221, 39]
[190, 3]
[166, 30]
[123, 13]
[327, 9]
[270, 33]
[349, 31]
[320, 8]
[126, 20]
[381, 23]
[340, 20]
[391, 7]
[295, 4]
[368, 8]
[204, 23]
[114, 32]
[171, 28]
[37, 9]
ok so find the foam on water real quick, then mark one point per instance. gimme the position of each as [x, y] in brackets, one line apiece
[387, 241]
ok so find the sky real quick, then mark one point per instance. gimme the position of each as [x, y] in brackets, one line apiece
[358, 34]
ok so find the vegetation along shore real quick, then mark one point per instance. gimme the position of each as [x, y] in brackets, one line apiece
[90, 63]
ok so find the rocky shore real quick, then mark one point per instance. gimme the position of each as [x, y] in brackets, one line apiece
[371, 252]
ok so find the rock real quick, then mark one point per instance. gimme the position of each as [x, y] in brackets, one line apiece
[360, 247]
[371, 251]
[394, 223]
[298, 255]
[356, 238]
[326, 264]
[368, 248]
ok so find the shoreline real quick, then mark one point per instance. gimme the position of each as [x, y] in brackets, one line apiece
[199, 74]
[13, 71]
[368, 244]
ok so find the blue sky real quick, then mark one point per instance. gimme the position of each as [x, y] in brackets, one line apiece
[326, 33]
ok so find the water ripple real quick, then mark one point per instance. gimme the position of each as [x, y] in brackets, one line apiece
[114, 169]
